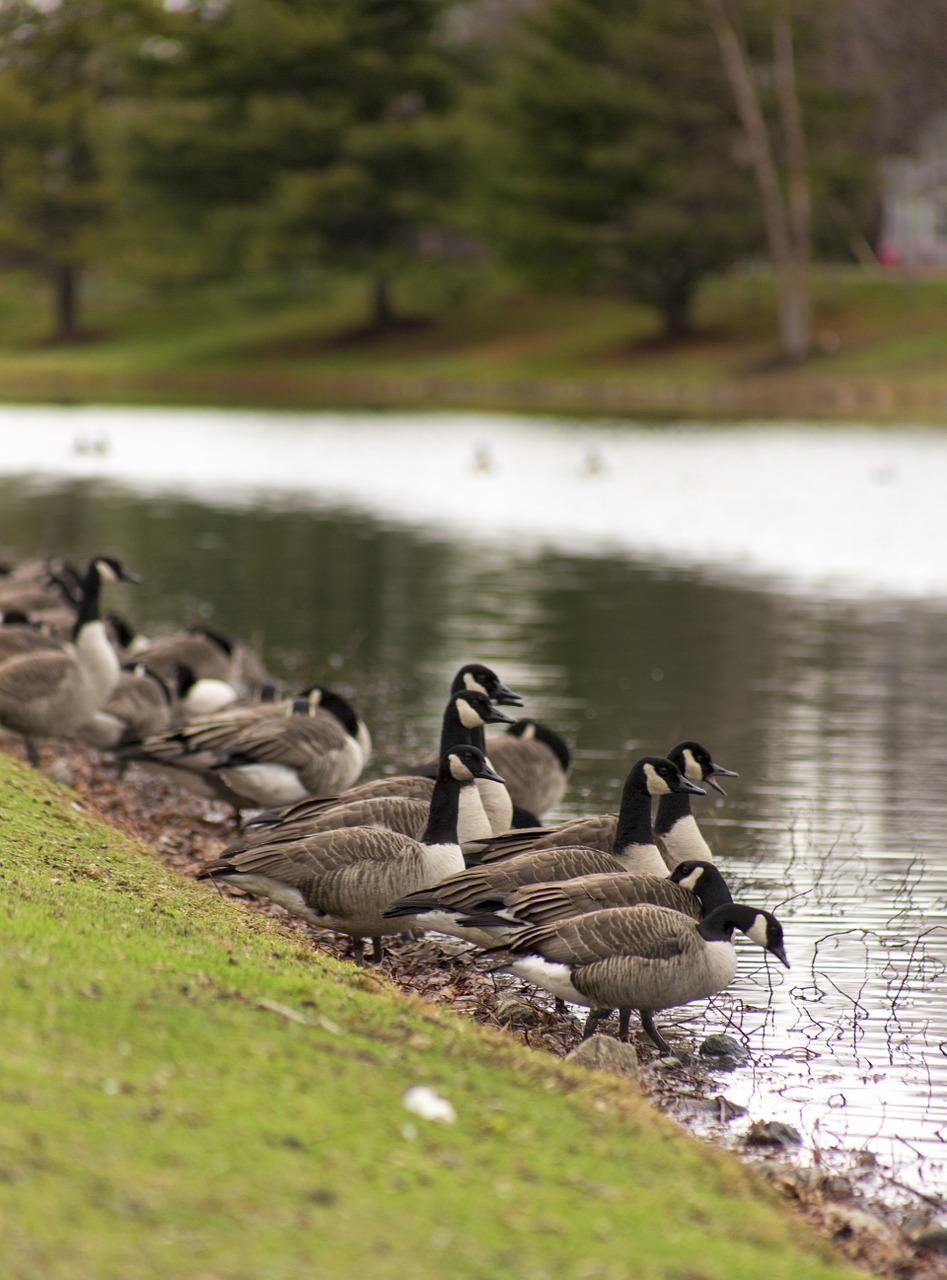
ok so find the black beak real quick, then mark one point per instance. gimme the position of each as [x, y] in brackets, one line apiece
[505, 697]
[125, 575]
[497, 716]
[724, 773]
[780, 954]
[489, 773]
[685, 784]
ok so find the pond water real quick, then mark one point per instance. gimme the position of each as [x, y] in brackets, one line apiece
[778, 594]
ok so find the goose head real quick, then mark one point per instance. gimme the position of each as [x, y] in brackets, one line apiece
[704, 881]
[532, 730]
[108, 569]
[474, 710]
[657, 776]
[466, 764]
[696, 764]
[476, 677]
[760, 927]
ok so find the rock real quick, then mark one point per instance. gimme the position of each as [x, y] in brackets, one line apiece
[427, 1103]
[725, 1052]
[602, 1053]
[511, 1011]
[772, 1133]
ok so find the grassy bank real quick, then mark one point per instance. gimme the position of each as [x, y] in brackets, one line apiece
[185, 1091]
[470, 342]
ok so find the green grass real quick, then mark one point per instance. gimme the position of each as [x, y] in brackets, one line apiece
[187, 1091]
[477, 341]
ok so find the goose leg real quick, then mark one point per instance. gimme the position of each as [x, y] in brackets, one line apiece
[647, 1023]
[592, 1021]
[377, 952]
[358, 951]
[624, 1020]
[32, 752]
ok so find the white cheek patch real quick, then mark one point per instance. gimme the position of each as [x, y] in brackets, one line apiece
[692, 769]
[758, 931]
[690, 881]
[459, 770]
[106, 572]
[469, 718]
[656, 784]
[528, 733]
[470, 682]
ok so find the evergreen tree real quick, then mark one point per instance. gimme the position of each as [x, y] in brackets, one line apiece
[611, 162]
[59, 65]
[303, 130]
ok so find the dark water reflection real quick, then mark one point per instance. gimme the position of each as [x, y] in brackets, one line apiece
[833, 713]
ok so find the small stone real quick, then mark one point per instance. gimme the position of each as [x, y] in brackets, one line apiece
[772, 1133]
[602, 1053]
[933, 1238]
[62, 772]
[513, 1012]
[727, 1053]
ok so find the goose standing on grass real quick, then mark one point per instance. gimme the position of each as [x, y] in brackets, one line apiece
[344, 879]
[442, 906]
[466, 710]
[48, 692]
[643, 957]
[675, 827]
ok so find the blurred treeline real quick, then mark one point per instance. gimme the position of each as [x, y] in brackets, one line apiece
[588, 145]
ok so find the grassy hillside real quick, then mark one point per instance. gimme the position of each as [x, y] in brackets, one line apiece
[470, 342]
[185, 1091]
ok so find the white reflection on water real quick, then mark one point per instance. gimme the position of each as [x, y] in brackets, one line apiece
[850, 509]
[839, 818]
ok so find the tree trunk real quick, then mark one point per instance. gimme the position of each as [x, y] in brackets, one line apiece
[382, 313]
[787, 218]
[66, 300]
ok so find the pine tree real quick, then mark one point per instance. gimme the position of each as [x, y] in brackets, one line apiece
[611, 161]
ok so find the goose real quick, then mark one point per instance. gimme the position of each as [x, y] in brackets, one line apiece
[140, 704]
[676, 832]
[208, 653]
[598, 831]
[344, 879]
[441, 906]
[466, 711]
[48, 692]
[535, 762]
[643, 957]
[267, 754]
[694, 888]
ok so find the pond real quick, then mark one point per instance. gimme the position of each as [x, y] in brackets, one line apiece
[778, 594]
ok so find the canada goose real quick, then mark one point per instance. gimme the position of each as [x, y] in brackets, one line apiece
[50, 691]
[139, 704]
[208, 653]
[466, 710]
[201, 696]
[676, 832]
[643, 957]
[344, 879]
[535, 762]
[441, 906]
[694, 888]
[267, 754]
[675, 829]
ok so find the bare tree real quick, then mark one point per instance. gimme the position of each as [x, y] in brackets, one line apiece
[785, 193]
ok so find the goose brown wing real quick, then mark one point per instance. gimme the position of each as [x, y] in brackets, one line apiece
[294, 863]
[643, 931]
[593, 833]
[545, 903]
[29, 676]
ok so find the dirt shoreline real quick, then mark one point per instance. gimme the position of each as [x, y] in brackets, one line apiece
[846, 1200]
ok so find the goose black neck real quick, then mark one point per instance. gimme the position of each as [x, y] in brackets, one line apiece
[88, 609]
[671, 809]
[719, 924]
[342, 710]
[634, 816]
[453, 733]
[711, 890]
[442, 816]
